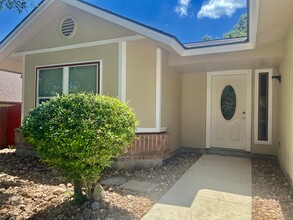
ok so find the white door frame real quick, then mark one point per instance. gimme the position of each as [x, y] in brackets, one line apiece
[248, 74]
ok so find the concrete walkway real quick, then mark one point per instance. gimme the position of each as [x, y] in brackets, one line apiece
[214, 188]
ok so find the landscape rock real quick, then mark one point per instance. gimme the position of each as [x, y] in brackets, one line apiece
[95, 206]
[115, 181]
[39, 193]
[98, 193]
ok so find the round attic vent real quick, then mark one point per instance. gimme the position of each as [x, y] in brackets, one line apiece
[67, 27]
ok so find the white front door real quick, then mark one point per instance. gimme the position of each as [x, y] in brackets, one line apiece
[228, 111]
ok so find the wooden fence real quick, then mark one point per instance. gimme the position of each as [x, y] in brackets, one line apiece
[10, 118]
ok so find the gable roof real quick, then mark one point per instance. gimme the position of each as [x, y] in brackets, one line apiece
[21, 33]
[10, 87]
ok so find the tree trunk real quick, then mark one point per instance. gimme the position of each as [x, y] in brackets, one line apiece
[78, 196]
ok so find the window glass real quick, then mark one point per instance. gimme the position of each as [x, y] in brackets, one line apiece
[83, 79]
[43, 100]
[50, 82]
[263, 107]
[228, 102]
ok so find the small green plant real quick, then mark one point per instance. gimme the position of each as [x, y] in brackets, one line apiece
[79, 134]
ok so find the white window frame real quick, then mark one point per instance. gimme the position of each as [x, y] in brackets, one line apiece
[65, 75]
[270, 106]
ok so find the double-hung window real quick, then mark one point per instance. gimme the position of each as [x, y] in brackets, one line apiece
[67, 79]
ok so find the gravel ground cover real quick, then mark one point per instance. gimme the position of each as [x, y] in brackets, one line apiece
[31, 190]
[272, 195]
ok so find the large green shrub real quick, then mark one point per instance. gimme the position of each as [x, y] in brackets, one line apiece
[79, 134]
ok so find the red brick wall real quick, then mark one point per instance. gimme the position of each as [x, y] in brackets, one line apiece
[149, 146]
[146, 146]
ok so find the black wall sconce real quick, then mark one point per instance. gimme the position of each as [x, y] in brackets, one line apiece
[277, 78]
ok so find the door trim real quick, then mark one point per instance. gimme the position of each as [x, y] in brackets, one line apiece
[248, 73]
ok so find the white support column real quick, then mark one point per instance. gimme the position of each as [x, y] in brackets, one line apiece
[122, 72]
[23, 86]
[65, 80]
[158, 88]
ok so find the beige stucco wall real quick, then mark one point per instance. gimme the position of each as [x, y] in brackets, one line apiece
[194, 110]
[172, 107]
[285, 148]
[107, 54]
[89, 28]
[141, 83]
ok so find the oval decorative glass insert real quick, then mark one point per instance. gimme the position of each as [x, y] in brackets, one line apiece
[228, 102]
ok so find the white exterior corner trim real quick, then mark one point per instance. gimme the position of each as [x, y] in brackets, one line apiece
[248, 109]
[270, 106]
[81, 45]
[254, 7]
[248, 74]
[209, 110]
[122, 72]
[151, 130]
[158, 87]
[101, 76]
[23, 84]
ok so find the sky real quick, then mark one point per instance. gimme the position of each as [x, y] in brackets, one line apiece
[188, 20]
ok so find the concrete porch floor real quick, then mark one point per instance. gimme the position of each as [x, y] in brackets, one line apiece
[214, 188]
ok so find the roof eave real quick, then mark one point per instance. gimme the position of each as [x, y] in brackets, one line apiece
[132, 25]
[8, 45]
[12, 42]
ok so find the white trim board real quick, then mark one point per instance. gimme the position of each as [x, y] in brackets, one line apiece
[81, 45]
[22, 89]
[122, 71]
[270, 106]
[151, 130]
[248, 74]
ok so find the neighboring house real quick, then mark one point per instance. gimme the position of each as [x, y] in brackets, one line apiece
[10, 88]
[204, 96]
[10, 106]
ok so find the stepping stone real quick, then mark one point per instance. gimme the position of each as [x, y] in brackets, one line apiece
[139, 186]
[114, 181]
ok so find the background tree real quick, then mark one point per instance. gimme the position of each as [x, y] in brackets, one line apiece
[79, 134]
[207, 38]
[18, 5]
[239, 30]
